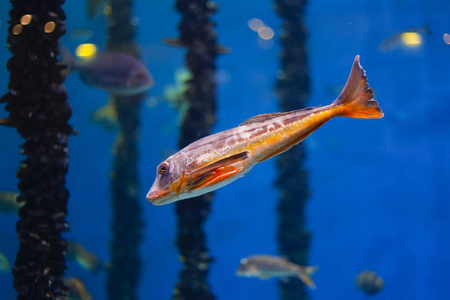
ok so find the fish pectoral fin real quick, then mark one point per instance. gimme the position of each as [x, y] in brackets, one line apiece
[213, 177]
[227, 161]
[216, 172]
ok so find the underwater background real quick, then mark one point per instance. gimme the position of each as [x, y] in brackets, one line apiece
[379, 188]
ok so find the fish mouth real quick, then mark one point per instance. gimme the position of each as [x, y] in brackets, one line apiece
[157, 198]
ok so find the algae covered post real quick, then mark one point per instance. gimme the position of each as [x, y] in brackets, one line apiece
[127, 223]
[198, 36]
[293, 87]
[38, 108]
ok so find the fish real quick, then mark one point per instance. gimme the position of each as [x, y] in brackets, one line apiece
[4, 264]
[77, 289]
[369, 282]
[85, 258]
[8, 202]
[267, 266]
[95, 8]
[113, 71]
[106, 116]
[174, 93]
[219, 159]
[410, 38]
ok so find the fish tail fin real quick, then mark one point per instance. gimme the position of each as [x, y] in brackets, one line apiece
[304, 275]
[67, 59]
[356, 98]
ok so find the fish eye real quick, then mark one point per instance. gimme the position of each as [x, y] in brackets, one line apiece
[162, 168]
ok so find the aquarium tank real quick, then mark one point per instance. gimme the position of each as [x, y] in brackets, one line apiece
[98, 201]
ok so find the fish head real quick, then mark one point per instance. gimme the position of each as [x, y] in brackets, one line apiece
[243, 267]
[247, 269]
[170, 180]
[116, 72]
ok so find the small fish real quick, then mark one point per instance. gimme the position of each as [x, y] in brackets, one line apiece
[174, 93]
[267, 266]
[4, 264]
[8, 202]
[219, 159]
[369, 282]
[95, 8]
[105, 116]
[113, 71]
[77, 289]
[410, 38]
[85, 258]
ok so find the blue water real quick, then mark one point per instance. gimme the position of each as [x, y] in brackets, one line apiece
[380, 193]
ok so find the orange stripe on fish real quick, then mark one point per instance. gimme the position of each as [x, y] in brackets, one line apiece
[217, 160]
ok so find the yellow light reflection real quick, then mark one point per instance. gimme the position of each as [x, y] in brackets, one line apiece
[17, 29]
[266, 33]
[411, 38]
[255, 24]
[86, 50]
[26, 19]
[447, 38]
[49, 27]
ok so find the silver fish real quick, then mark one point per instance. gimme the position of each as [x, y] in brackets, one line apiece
[267, 266]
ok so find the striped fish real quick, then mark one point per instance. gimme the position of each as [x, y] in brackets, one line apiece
[268, 266]
[219, 159]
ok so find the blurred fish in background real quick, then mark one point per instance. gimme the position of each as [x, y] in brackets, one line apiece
[85, 258]
[267, 266]
[105, 117]
[407, 39]
[77, 289]
[96, 8]
[4, 264]
[369, 282]
[174, 93]
[8, 202]
[115, 72]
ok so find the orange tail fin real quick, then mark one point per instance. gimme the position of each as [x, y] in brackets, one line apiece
[357, 97]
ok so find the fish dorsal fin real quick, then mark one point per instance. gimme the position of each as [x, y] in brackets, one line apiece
[261, 118]
[265, 117]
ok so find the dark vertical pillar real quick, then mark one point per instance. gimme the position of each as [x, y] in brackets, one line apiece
[38, 108]
[197, 34]
[293, 86]
[127, 222]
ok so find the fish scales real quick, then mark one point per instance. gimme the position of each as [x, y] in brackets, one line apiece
[275, 133]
